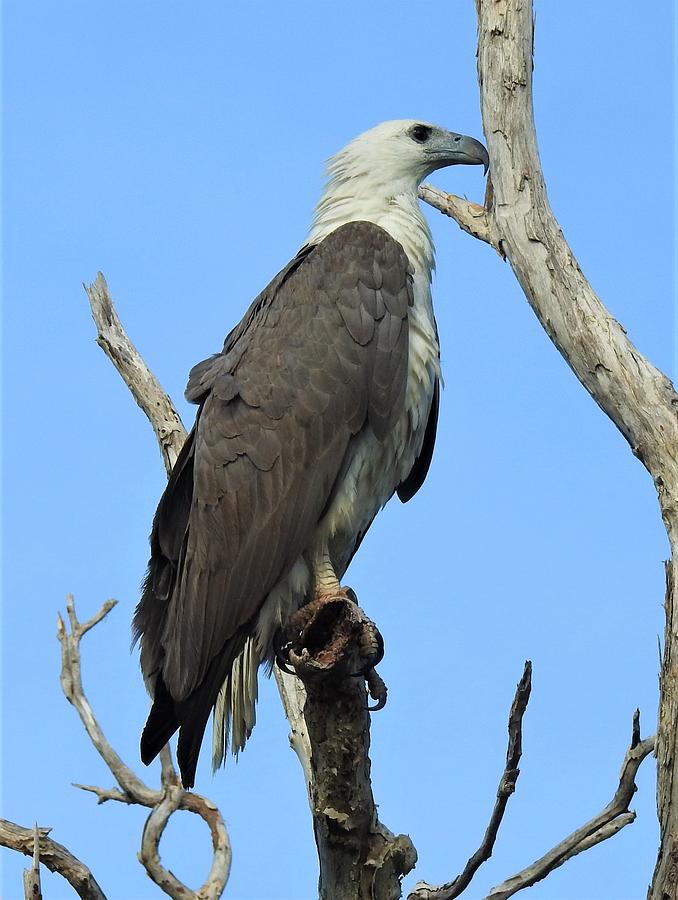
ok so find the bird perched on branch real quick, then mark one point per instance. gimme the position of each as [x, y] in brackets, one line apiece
[322, 404]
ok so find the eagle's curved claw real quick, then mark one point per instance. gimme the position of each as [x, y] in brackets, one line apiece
[351, 595]
[281, 652]
[377, 689]
[283, 665]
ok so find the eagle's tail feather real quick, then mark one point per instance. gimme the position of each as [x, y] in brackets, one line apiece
[194, 712]
[161, 724]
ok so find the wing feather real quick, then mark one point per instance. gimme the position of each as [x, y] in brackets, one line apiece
[409, 487]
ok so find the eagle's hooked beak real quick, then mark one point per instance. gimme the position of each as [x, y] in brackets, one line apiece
[459, 149]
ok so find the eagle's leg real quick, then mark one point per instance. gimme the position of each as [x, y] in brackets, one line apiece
[326, 583]
[332, 635]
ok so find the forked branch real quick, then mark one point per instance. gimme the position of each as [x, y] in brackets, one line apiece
[55, 856]
[607, 823]
[131, 789]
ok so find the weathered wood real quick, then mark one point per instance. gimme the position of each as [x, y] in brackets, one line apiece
[607, 823]
[55, 856]
[640, 400]
[143, 384]
[32, 886]
[665, 879]
[360, 858]
[329, 642]
[132, 790]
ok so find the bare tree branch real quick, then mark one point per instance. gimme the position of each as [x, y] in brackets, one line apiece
[131, 789]
[104, 794]
[507, 786]
[55, 856]
[607, 823]
[149, 856]
[639, 398]
[470, 217]
[143, 385]
[71, 684]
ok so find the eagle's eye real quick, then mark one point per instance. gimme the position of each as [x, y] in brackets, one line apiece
[420, 133]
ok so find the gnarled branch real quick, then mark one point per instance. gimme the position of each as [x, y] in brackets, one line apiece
[55, 856]
[507, 786]
[132, 789]
[607, 823]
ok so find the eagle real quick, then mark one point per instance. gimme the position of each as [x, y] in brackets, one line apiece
[322, 405]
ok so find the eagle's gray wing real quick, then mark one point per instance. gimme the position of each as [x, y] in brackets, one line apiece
[320, 354]
[417, 475]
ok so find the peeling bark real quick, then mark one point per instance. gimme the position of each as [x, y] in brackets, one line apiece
[665, 879]
[359, 857]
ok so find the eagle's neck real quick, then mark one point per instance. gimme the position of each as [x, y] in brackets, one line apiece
[354, 199]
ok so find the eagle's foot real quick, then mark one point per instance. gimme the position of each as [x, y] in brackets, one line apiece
[370, 645]
[376, 688]
[332, 636]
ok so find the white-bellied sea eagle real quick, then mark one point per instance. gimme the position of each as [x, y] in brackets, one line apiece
[322, 404]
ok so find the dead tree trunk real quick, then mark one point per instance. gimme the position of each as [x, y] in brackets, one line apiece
[640, 400]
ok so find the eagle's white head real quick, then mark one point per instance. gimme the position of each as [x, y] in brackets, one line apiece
[396, 156]
[376, 176]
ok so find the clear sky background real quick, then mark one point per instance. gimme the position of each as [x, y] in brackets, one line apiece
[179, 148]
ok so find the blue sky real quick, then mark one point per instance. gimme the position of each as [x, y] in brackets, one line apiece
[179, 147]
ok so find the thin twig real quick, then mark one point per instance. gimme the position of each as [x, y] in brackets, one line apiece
[55, 856]
[104, 794]
[32, 888]
[470, 217]
[635, 729]
[507, 786]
